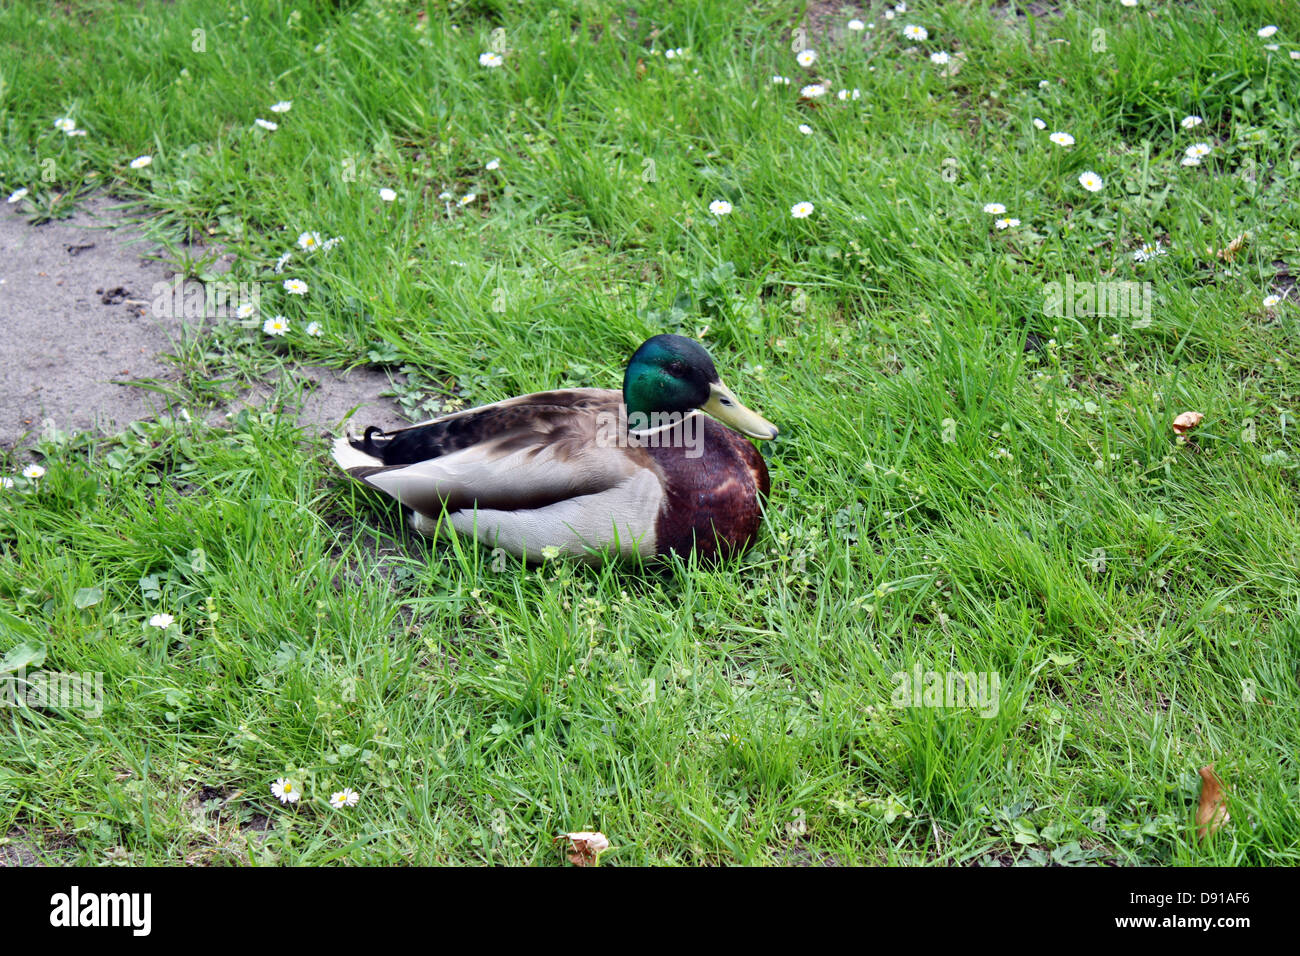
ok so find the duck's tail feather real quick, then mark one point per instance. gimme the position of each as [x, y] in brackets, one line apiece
[358, 457]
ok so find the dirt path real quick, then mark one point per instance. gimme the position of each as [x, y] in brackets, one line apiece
[77, 327]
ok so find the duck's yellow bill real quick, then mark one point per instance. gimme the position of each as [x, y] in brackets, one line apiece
[726, 408]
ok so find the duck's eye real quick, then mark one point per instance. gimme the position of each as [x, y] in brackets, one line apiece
[676, 368]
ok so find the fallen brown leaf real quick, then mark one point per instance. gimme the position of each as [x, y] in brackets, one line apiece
[1186, 422]
[1211, 812]
[585, 847]
[1229, 252]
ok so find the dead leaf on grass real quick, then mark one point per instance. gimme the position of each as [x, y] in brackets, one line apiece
[585, 847]
[1211, 813]
[1186, 422]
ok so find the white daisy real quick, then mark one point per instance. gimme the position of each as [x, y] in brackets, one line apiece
[994, 208]
[140, 162]
[1191, 160]
[1091, 181]
[493, 165]
[490, 60]
[1188, 122]
[387, 195]
[446, 196]
[939, 57]
[889, 14]
[900, 8]
[329, 244]
[806, 58]
[1062, 139]
[1271, 300]
[161, 621]
[1128, 3]
[283, 261]
[33, 472]
[801, 210]
[1007, 223]
[347, 797]
[805, 129]
[1148, 252]
[266, 124]
[65, 124]
[246, 310]
[1266, 32]
[284, 789]
[812, 91]
[913, 32]
[1039, 124]
[1273, 47]
[468, 198]
[1043, 84]
[16, 195]
[282, 107]
[1199, 149]
[314, 330]
[720, 207]
[309, 241]
[276, 325]
[857, 26]
[295, 287]
[780, 80]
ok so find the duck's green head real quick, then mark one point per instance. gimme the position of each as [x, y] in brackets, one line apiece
[671, 373]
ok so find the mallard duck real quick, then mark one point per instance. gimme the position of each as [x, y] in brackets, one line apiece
[589, 472]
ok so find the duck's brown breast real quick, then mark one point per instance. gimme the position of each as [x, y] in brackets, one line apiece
[714, 480]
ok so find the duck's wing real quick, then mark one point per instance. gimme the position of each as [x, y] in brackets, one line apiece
[523, 453]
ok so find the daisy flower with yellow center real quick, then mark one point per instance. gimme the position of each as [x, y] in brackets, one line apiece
[246, 310]
[1006, 223]
[1271, 300]
[812, 91]
[468, 198]
[913, 32]
[284, 789]
[720, 207]
[1199, 149]
[1062, 139]
[140, 162]
[1188, 122]
[801, 210]
[282, 107]
[309, 241]
[295, 287]
[806, 58]
[1091, 181]
[33, 472]
[939, 58]
[994, 208]
[161, 621]
[276, 325]
[314, 330]
[65, 124]
[266, 124]
[490, 60]
[347, 797]
[387, 195]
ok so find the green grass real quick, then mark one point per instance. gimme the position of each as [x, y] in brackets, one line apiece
[961, 482]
